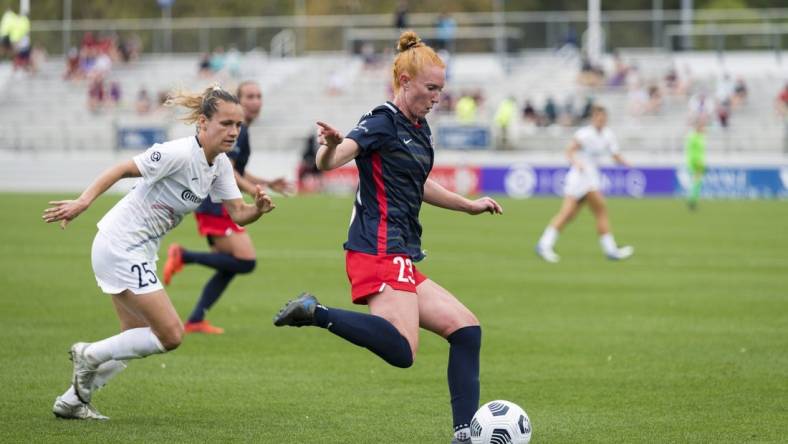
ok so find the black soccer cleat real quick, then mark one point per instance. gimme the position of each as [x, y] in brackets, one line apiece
[298, 312]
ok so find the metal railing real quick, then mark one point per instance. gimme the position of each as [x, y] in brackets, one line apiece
[528, 29]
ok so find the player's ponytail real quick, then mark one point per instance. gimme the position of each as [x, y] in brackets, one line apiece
[205, 103]
[413, 55]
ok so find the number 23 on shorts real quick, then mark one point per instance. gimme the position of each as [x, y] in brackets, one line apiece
[405, 265]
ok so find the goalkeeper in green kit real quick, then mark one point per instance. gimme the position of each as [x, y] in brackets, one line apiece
[695, 149]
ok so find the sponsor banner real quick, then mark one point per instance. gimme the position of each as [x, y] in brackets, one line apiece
[140, 138]
[473, 137]
[732, 182]
[524, 181]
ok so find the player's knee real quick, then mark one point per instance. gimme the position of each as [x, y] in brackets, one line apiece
[246, 265]
[469, 337]
[171, 337]
[402, 355]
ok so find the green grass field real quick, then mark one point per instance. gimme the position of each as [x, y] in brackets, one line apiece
[685, 342]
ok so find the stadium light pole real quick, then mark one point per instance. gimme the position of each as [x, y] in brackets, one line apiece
[66, 26]
[594, 43]
[686, 24]
[656, 23]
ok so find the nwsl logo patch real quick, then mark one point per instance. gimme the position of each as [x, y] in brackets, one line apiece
[155, 156]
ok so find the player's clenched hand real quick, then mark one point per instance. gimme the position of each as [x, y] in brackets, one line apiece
[263, 201]
[328, 135]
[64, 211]
[485, 204]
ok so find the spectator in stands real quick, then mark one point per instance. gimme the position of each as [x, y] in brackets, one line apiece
[590, 75]
[96, 94]
[465, 109]
[309, 175]
[445, 30]
[620, 71]
[700, 107]
[401, 15]
[72, 65]
[529, 113]
[217, 59]
[567, 116]
[204, 65]
[232, 62]
[724, 112]
[447, 103]
[550, 111]
[504, 120]
[672, 81]
[781, 102]
[130, 47]
[15, 38]
[654, 104]
[587, 108]
[739, 92]
[143, 104]
[114, 93]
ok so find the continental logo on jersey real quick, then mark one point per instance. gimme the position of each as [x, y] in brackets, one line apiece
[155, 156]
[190, 196]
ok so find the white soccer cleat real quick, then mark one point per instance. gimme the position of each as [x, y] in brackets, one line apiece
[64, 410]
[84, 372]
[547, 254]
[622, 253]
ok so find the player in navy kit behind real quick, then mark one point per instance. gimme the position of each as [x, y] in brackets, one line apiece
[392, 147]
[232, 249]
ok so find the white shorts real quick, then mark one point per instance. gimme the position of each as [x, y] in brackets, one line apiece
[577, 184]
[117, 270]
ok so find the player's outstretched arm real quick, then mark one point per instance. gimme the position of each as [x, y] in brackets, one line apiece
[243, 213]
[67, 210]
[435, 194]
[279, 185]
[621, 161]
[334, 150]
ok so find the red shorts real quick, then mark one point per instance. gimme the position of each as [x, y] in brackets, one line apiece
[369, 274]
[213, 225]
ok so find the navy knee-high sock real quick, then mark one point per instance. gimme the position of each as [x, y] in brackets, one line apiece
[219, 261]
[463, 374]
[372, 332]
[210, 294]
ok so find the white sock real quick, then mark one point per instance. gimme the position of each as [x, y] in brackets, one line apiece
[130, 344]
[549, 237]
[608, 243]
[104, 373]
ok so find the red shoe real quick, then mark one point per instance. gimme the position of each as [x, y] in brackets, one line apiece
[174, 262]
[202, 327]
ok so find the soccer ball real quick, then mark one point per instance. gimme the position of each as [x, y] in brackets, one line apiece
[500, 422]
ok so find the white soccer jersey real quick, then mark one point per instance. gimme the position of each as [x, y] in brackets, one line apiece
[176, 177]
[594, 145]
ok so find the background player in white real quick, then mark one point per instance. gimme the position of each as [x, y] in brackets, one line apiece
[584, 184]
[176, 177]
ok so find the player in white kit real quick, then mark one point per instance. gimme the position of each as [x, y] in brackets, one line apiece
[176, 177]
[584, 184]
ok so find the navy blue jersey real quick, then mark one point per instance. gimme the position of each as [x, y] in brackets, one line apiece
[395, 158]
[240, 157]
